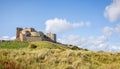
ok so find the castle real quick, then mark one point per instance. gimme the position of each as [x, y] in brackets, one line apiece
[30, 34]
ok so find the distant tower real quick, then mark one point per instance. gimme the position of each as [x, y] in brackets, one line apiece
[18, 30]
[52, 36]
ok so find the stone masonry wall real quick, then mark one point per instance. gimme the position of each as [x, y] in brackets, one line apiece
[33, 38]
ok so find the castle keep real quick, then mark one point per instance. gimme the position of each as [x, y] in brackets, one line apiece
[30, 34]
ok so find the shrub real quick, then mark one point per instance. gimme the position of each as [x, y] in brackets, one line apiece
[33, 46]
[74, 48]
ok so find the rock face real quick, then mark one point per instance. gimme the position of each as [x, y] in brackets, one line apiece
[30, 34]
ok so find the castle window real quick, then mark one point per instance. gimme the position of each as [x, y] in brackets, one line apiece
[28, 34]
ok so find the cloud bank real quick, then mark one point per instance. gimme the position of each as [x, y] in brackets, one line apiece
[92, 43]
[58, 25]
[7, 38]
[112, 11]
[107, 31]
[83, 41]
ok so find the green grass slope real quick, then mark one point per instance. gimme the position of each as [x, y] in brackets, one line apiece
[13, 45]
[48, 55]
[47, 45]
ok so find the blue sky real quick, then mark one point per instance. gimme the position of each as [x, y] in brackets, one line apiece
[77, 22]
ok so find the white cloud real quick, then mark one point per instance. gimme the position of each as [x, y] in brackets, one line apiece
[7, 38]
[72, 39]
[107, 31]
[4, 38]
[57, 25]
[117, 29]
[84, 42]
[112, 12]
[116, 47]
[113, 48]
[13, 38]
[100, 40]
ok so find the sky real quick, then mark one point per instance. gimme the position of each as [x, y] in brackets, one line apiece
[90, 24]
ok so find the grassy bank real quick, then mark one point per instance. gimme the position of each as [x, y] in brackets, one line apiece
[47, 55]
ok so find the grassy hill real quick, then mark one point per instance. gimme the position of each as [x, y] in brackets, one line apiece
[47, 55]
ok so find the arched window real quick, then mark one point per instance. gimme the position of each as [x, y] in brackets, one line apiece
[28, 34]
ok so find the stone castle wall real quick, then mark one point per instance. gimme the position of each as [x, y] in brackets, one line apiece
[30, 34]
[34, 38]
[52, 36]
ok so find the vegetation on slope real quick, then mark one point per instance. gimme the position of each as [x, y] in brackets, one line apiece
[46, 44]
[47, 55]
[13, 45]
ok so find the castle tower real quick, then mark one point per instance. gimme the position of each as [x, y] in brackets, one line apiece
[22, 37]
[18, 30]
[52, 36]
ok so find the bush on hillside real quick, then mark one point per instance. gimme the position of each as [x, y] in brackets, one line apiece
[33, 46]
